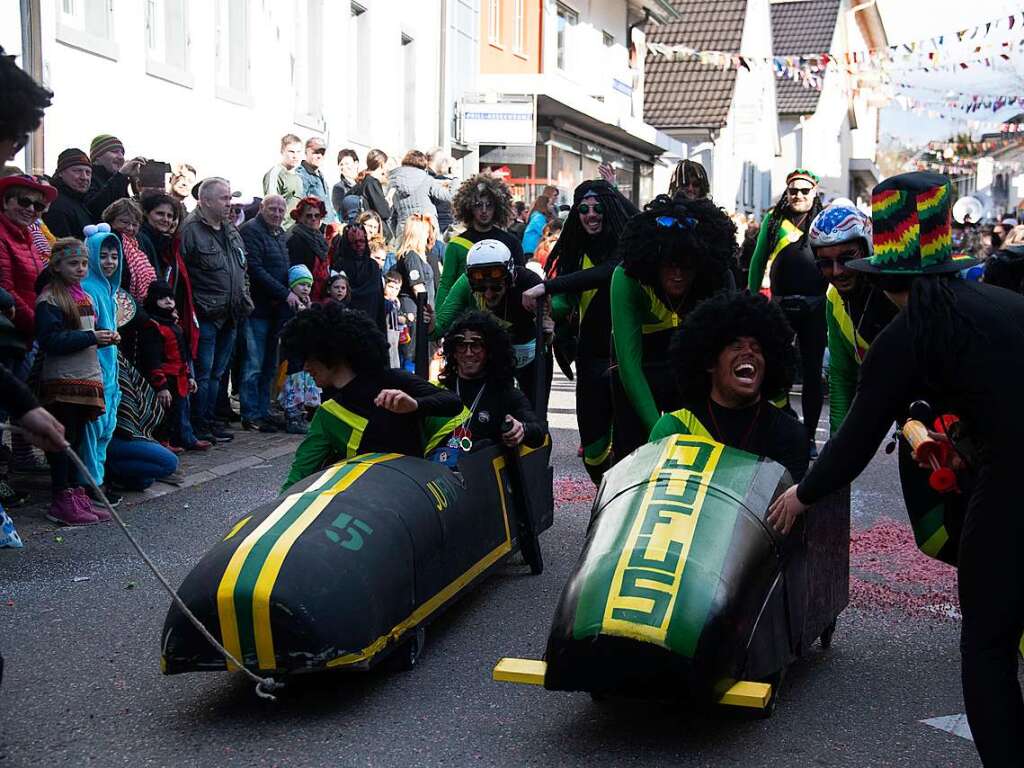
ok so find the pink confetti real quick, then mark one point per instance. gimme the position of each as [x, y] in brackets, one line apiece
[570, 490]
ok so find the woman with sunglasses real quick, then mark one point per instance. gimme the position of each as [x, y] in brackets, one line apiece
[483, 205]
[674, 255]
[24, 199]
[307, 245]
[479, 365]
[494, 282]
[794, 280]
[855, 312]
[584, 258]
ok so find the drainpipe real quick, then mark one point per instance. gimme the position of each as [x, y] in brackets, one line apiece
[32, 62]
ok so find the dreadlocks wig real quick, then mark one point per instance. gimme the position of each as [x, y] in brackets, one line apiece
[574, 241]
[782, 211]
[688, 171]
[500, 359]
[695, 234]
[717, 322]
[332, 334]
[483, 185]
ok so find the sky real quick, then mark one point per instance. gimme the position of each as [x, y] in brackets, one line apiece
[910, 20]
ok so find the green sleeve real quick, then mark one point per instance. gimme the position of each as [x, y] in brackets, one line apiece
[562, 305]
[842, 373]
[665, 426]
[629, 305]
[313, 452]
[759, 260]
[459, 299]
[453, 268]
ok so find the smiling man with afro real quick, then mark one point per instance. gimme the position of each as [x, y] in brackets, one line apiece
[734, 354]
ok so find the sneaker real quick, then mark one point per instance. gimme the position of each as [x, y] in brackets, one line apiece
[297, 426]
[65, 511]
[175, 478]
[219, 434]
[200, 445]
[113, 497]
[229, 416]
[97, 507]
[259, 425]
[813, 451]
[10, 496]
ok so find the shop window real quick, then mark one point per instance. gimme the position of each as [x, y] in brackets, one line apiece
[308, 64]
[167, 41]
[231, 53]
[87, 25]
[567, 18]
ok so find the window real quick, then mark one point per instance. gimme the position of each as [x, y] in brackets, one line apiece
[409, 95]
[88, 25]
[567, 18]
[608, 38]
[359, 109]
[519, 27]
[167, 40]
[308, 64]
[494, 22]
[232, 51]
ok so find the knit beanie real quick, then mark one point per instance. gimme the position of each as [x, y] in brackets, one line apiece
[66, 248]
[299, 274]
[69, 158]
[803, 174]
[104, 143]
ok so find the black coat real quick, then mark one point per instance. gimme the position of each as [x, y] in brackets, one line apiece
[106, 187]
[267, 264]
[68, 214]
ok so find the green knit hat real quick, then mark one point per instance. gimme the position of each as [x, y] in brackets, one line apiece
[104, 143]
[911, 220]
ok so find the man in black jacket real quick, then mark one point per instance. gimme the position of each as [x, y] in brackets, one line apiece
[68, 215]
[110, 173]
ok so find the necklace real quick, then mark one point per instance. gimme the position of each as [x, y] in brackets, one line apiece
[720, 435]
[856, 331]
[462, 438]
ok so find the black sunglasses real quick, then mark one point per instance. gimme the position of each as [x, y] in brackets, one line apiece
[802, 191]
[27, 202]
[471, 345]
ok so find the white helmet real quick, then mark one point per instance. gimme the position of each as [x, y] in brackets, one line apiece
[840, 224]
[487, 253]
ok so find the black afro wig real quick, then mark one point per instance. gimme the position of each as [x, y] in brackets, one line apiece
[500, 359]
[333, 334]
[717, 322]
[695, 234]
[481, 185]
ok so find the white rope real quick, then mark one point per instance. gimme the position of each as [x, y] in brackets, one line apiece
[264, 685]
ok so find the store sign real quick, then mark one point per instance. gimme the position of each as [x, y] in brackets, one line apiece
[506, 121]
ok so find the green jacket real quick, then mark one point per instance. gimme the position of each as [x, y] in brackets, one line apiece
[454, 267]
[765, 253]
[846, 350]
[681, 422]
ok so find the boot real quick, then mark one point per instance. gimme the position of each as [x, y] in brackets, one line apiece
[296, 424]
[64, 510]
[98, 509]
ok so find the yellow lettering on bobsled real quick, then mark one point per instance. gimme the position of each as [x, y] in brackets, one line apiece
[645, 585]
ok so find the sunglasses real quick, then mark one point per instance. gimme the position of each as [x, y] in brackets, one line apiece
[586, 208]
[312, 215]
[801, 191]
[667, 222]
[485, 203]
[469, 345]
[27, 202]
[320, 151]
[483, 286]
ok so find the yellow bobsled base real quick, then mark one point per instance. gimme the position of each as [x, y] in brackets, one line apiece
[522, 671]
[531, 672]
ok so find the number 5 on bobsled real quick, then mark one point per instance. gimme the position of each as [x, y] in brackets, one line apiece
[352, 563]
[683, 591]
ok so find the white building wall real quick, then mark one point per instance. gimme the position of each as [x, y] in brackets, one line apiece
[237, 136]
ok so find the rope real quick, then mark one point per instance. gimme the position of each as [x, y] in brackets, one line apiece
[264, 685]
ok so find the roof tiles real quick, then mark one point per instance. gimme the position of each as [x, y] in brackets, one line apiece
[801, 27]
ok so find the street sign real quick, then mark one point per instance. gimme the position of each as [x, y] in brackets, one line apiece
[500, 120]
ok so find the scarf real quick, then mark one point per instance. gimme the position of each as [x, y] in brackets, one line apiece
[138, 272]
[315, 243]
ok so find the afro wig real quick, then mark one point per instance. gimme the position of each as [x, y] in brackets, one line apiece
[21, 110]
[574, 241]
[333, 334]
[695, 234]
[500, 359]
[480, 185]
[717, 322]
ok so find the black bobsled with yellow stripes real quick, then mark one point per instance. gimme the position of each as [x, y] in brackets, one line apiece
[354, 561]
[684, 592]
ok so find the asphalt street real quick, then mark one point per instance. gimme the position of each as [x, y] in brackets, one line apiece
[80, 621]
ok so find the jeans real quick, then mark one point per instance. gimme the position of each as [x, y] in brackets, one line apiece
[212, 360]
[136, 464]
[179, 422]
[259, 366]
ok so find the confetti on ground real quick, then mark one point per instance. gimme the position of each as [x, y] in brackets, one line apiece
[570, 490]
[889, 572]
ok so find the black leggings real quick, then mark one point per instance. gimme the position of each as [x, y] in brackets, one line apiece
[806, 315]
[594, 413]
[991, 583]
[63, 474]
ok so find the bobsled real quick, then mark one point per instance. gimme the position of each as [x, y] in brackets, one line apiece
[684, 592]
[352, 563]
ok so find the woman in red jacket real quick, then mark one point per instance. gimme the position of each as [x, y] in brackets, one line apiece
[22, 201]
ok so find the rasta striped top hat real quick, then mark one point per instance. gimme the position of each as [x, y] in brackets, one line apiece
[911, 217]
